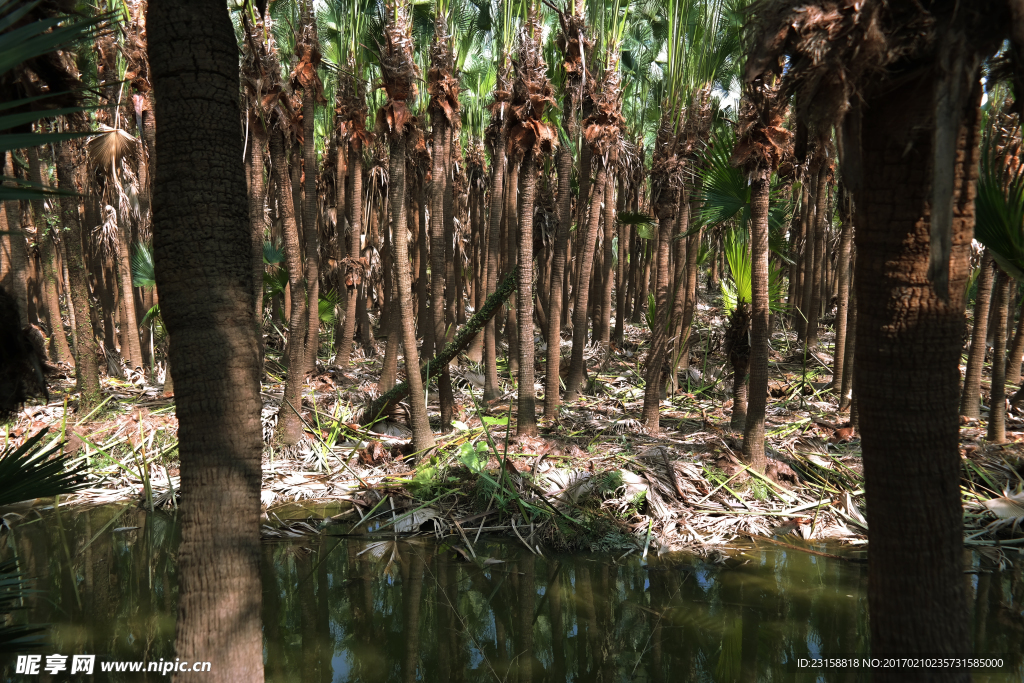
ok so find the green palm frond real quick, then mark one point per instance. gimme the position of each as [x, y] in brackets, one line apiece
[33, 470]
[327, 305]
[999, 204]
[272, 255]
[738, 285]
[143, 269]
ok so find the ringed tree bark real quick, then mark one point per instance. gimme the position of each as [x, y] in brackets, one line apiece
[87, 379]
[530, 137]
[602, 130]
[910, 158]
[573, 43]
[762, 143]
[997, 396]
[970, 398]
[395, 120]
[202, 246]
[444, 111]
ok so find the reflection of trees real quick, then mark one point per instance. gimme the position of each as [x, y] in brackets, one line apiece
[330, 613]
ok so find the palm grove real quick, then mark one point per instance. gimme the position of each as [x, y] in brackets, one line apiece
[334, 172]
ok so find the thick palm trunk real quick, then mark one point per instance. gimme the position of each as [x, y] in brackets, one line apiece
[908, 380]
[202, 246]
[563, 160]
[579, 312]
[87, 379]
[997, 396]
[422, 437]
[348, 331]
[289, 423]
[526, 422]
[753, 432]
[970, 398]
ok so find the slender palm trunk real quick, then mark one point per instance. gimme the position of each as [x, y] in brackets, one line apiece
[608, 276]
[579, 313]
[491, 387]
[348, 332]
[309, 224]
[257, 201]
[1013, 361]
[18, 246]
[526, 422]
[753, 433]
[659, 338]
[289, 424]
[970, 398]
[202, 245]
[87, 379]
[997, 397]
[563, 159]
[843, 305]
[422, 437]
[438, 265]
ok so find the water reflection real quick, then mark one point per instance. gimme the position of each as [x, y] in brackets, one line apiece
[379, 609]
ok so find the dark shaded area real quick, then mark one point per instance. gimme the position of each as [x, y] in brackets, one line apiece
[22, 359]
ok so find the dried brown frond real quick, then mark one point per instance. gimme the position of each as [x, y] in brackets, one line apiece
[762, 141]
[110, 146]
[398, 69]
[442, 79]
[531, 95]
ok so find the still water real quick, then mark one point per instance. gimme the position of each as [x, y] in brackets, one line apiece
[379, 609]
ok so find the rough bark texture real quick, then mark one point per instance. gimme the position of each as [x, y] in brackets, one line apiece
[563, 160]
[422, 437]
[438, 270]
[289, 423]
[348, 332]
[843, 304]
[1013, 360]
[257, 200]
[753, 433]
[491, 387]
[202, 247]
[18, 247]
[526, 418]
[997, 397]
[659, 342]
[579, 312]
[907, 386]
[970, 398]
[87, 379]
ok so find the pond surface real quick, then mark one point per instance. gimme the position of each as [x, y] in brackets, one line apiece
[377, 609]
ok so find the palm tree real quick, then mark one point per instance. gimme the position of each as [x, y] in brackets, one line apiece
[395, 120]
[762, 143]
[202, 245]
[913, 245]
[529, 137]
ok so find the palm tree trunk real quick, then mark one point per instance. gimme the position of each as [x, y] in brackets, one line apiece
[608, 276]
[816, 274]
[348, 331]
[997, 400]
[513, 207]
[257, 200]
[579, 312]
[1013, 361]
[908, 354]
[202, 247]
[753, 432]
[659, 337]
[563, 160]
[438, 266]
[526, 419]
[846, 391]
[491, 387]
[87, 379]
[842, 307]
[131, 347]
[970, 398]
[309, 214]
[289, 424]
[422, 437]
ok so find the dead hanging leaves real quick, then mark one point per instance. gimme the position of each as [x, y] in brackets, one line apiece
[531, 95]
[304, 74]
[762, 139]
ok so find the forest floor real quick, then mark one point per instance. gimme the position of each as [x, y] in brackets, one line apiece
[592, 480]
